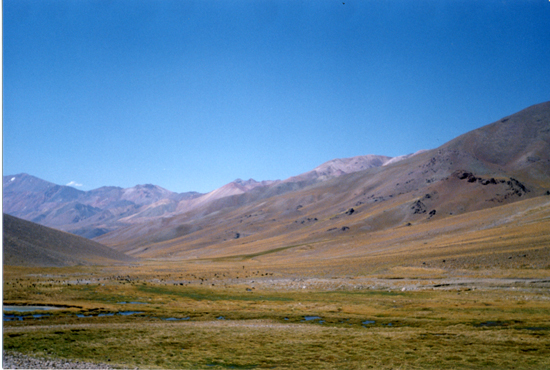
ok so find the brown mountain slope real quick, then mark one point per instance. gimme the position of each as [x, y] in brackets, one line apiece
[264, 189]
[28, 244]
[460, 177]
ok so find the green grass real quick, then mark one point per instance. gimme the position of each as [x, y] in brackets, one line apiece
[308, 347]
[265, 328]
[242, 257]
[208, 294]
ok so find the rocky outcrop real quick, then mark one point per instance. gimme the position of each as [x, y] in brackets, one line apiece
[418, 207]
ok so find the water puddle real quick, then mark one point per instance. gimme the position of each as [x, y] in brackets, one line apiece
[29, 308]
[490, 324]
[132, 303]
[345, 321]
[122, 313]
[126, 313]
[368, 322]
[220, 318]
[13, 317]
[25, 309]
[317, 319]
[37, 316]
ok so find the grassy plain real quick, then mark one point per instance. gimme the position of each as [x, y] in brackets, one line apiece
[250, 316]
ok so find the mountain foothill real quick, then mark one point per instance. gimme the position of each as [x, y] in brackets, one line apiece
[492, 177]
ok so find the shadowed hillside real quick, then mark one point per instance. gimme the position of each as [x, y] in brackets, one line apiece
[30, 244]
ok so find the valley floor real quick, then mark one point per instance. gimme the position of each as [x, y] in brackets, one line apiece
[221, 315]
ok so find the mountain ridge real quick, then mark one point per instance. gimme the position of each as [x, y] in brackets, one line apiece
[85, 213]
[98, 211]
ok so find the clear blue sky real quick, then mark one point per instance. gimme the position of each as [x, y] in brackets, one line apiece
[190, 95]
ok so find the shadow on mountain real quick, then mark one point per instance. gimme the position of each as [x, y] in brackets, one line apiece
[30, 244]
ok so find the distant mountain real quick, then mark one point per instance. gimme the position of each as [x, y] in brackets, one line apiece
[341, 166]
[86, 213]
[402, 157]
[504, 162]
[96, 212]
[28, 244]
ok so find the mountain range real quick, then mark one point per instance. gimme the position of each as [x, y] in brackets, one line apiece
[96, 212]
[342, 205]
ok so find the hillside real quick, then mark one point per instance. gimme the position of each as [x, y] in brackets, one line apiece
[341, 216]
[28, 244]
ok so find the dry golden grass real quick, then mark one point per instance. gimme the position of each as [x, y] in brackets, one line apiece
[476, 240]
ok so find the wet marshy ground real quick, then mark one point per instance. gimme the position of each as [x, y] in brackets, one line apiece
[224, 327]
[25, 313]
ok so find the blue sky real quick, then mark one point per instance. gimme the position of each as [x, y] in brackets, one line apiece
[190, 95]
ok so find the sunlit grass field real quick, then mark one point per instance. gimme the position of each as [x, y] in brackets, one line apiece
[222, 315]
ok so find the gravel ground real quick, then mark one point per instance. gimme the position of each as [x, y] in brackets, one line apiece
[14, 360]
